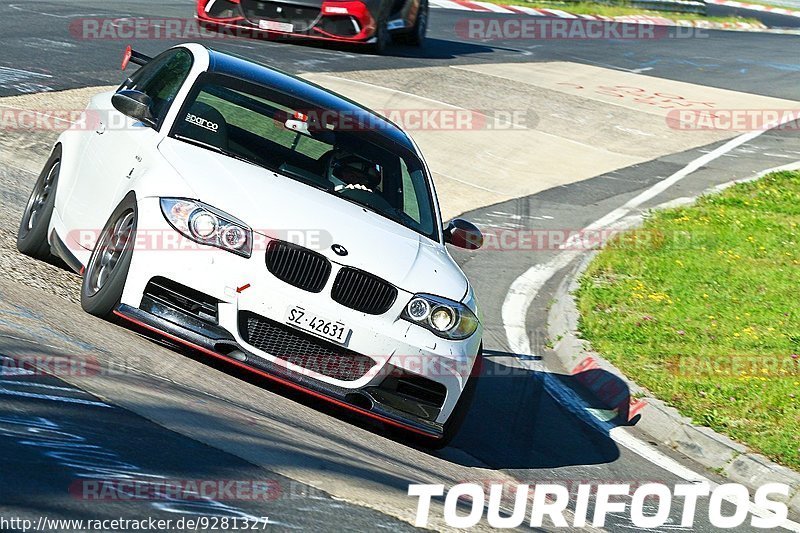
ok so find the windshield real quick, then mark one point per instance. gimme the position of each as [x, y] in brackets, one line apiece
[317, 147]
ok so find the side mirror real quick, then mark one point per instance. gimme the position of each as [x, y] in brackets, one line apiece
[134, 104]
[463, 234]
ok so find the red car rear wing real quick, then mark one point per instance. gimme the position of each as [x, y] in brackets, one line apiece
[132, 56]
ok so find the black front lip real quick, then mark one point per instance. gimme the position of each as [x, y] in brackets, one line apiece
[251, 29]
[300, 29]
[216, 341]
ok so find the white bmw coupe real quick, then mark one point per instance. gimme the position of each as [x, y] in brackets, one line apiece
[266, 221]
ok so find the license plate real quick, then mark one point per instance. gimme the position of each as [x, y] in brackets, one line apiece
[273, 25]
[333, 330]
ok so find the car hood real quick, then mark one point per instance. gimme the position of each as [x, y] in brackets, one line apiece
[279, 207]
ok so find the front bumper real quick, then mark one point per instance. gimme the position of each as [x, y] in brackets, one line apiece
[338, 20]
[363, 402]
[391, 345]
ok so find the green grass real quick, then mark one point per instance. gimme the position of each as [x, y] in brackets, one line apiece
[592, 8]
[264, 126]
[701, 307]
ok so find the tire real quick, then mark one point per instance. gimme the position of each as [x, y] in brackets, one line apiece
[32, 233]
[107, 269]
[416, 37]
[460, 411]
[382, 39]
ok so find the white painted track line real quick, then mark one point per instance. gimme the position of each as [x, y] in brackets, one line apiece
[525, 288]
[529, 11]
[560, 14]
[449, 4]
[492, 7]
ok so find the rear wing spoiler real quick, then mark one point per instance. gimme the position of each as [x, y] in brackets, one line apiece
[132, 56]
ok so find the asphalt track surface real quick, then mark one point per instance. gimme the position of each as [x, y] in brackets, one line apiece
[175, 415]
[37, 38]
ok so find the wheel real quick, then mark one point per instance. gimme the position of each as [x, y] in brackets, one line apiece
[382, 39]
[461, 409]
[416, 37]
[107, 270]
[32, 234]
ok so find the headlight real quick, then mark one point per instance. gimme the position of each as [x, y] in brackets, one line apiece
[207, 225]
[445, 318]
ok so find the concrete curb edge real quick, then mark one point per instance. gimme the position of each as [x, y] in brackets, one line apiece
[660, 421]
[653, 20]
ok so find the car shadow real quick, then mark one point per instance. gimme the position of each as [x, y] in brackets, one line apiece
[517, 422]
[514, 421]
[432, 49]
[438, 49]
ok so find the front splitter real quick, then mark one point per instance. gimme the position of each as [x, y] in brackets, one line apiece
[209, 345]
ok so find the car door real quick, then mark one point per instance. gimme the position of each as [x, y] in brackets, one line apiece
[120, 144]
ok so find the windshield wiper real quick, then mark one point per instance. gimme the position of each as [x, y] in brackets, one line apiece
[302, 179]
[384, 214]
[395, 215]
[220, 151]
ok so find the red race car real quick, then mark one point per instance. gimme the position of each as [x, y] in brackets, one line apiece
[370, 22]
